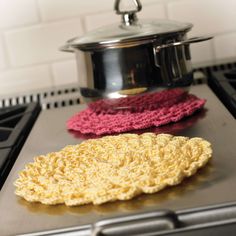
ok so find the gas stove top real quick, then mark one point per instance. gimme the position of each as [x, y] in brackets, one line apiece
[15, 124]
[202, 205]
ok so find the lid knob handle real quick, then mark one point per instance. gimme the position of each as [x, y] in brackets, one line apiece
[129, 17]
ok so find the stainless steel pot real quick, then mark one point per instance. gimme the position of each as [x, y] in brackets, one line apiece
[134, 56]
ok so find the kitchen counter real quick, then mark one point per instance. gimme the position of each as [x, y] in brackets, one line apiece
[214, 184]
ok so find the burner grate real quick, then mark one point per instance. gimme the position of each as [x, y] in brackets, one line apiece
[48, 98]
[223, 83]
[15, 124]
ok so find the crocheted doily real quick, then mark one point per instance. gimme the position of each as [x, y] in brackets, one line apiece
[133, 113]
[139, 103]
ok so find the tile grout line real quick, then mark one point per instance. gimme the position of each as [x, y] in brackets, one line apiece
[166, 10]
[50, 69]
[38, 10]
[6, 54]
[36, 64]
[212, 46]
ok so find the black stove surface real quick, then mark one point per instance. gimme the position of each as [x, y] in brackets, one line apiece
[223, 84]
[15, 124]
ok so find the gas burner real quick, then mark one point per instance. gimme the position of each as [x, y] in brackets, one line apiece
[15, 124]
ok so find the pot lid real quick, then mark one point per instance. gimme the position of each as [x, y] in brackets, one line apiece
[131, 31]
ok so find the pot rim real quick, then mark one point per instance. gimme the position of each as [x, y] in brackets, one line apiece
[130, 32]
[76, 43]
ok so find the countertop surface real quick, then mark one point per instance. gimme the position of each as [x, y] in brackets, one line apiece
[214, 184]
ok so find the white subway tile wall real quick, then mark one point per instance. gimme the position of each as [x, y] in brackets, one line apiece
[59, 9]
[202, 52]
[208, 16]
[225, 46]
[98, 20]
[25, 79]
[2, 55]
[15, 13]
[40, 43]
[31, 31]
[65, 72]
[153, 11]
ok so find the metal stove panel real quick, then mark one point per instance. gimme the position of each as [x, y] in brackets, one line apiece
[212, 186]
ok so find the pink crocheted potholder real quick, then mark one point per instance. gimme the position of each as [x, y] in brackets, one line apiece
[90, 121]
[139, 103]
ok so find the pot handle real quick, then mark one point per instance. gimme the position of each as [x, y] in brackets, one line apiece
[67, 47]
[184, 42]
